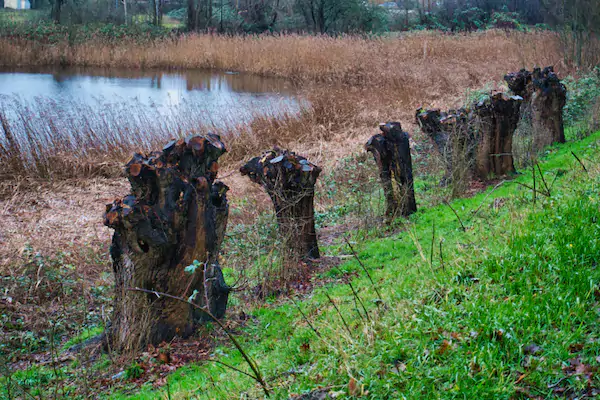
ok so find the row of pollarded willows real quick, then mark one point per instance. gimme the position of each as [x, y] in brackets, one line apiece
[169, 229]
[478, 141]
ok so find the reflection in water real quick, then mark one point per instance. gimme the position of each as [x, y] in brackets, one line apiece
[221, 96]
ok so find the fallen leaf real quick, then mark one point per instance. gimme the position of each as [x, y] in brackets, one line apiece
[353, 387]
[576, 347]
[444, 347]
[521, 377]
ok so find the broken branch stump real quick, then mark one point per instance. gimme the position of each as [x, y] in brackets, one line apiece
[391, 150]
[289, 180]
[176, 214]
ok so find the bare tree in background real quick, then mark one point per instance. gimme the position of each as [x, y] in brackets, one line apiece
[579, 22]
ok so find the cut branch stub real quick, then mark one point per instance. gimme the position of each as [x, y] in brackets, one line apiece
[520, 83]
[289, 179]
[391, 150]
[176, 214]
[496, 120]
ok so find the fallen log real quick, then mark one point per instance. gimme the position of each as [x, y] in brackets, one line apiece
[289, 180]
[167, 236]
[391, 151]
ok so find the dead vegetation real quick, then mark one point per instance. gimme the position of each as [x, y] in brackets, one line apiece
[350, 60]
[369, 80]
[60, 169]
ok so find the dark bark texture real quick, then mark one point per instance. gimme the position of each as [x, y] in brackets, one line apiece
[547, 103]
[176, 214]
[475, 142]
[289, 179]
[453, 138]
[544, 100]
[495, 121]
[391, 150]
[520, 83]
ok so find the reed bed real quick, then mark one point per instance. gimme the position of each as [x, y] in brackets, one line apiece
[396, 61]
[351, 84]
[52, 139]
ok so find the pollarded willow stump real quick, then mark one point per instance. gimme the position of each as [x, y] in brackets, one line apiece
[430, 121]
[391, 150]
[544, 98]
[176, 214]
[453, 139]
[547, 103]
[289, 179]
[496, 120]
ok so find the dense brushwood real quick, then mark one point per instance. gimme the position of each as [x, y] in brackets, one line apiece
[391, 150]
[544, 100]
[176, 214]
[289, 179]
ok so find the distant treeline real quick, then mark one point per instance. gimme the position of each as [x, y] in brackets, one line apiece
[329, 16]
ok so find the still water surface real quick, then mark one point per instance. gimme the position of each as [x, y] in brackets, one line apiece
[217, 96]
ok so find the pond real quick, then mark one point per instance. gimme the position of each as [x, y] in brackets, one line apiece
[215, 98]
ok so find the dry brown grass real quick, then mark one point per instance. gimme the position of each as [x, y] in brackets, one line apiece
[385, 79]
[373, 80]
[395, 61]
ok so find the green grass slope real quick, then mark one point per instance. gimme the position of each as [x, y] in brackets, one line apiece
[506, 308]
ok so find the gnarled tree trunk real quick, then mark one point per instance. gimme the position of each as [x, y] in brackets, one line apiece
[176, 214]
[496, 120]
[430, 121]
[391, 150]
[544, 98]
[520, 83]
[289, 179]
[547, 103]
[453, 138]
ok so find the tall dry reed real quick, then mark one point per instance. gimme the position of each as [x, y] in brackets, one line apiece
[52, 139]
[396, 61]
[355, 84]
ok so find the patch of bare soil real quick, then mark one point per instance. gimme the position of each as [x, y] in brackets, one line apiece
[65, 217]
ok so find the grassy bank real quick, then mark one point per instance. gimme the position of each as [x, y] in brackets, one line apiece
[507, 307]
[501, 303]
[504, 308]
